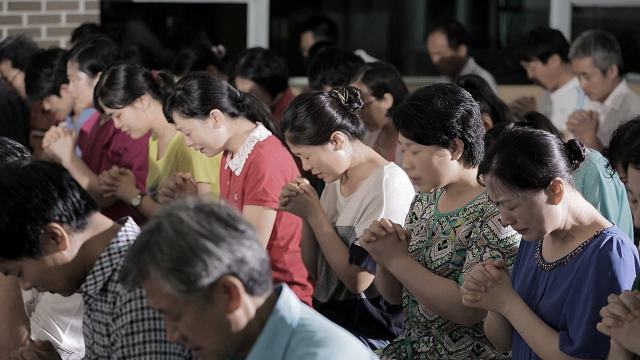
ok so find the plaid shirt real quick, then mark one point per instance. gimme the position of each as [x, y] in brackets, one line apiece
[119, 324]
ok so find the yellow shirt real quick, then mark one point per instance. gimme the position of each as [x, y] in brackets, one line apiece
[180, 158]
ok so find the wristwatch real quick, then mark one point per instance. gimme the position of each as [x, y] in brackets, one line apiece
[137, 200]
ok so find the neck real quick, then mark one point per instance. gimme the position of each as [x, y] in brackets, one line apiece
[258, 309]
[240, 128]
[90, 244]
[579, 217]
[361, 157]
[615, 85]
[160, 127]
[564, 76]
[466, 179]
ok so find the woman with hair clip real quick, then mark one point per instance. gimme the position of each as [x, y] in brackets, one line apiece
[133, 97]
[382, 88]
[571, 260]
[216, 118]
[324, 130]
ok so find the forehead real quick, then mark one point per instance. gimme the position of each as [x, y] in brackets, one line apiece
[583, 64]
[633, 179]
[302, 149]
[6, 65]
[437, 40]
[243, 84]
[500, 192]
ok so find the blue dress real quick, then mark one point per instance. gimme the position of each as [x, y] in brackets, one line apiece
[569, 296]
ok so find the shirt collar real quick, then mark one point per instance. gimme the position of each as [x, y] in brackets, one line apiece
[469, 67]
[236, 163]
[109, 262]
[284, 318]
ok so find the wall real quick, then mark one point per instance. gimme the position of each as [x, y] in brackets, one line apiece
[48, 22]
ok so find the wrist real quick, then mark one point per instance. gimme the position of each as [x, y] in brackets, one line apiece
[395, 264]
[512, 305]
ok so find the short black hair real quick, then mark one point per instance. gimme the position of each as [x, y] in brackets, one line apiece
[529, 159]
[543, 42]
[46, 72]
[333, 67]
[322, 27]
[197, 57]
[18, 49]
[95, 55]
[312, 117]
[11, 151]
[624, 147]
[489, 101]
[263, 67]
[382, 78]
[453, 30]
[86, 31]
[34, 194]
[440, 113]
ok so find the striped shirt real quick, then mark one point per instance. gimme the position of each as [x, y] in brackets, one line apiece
[119, 324]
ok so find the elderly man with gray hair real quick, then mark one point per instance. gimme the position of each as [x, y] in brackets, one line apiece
[596, 60]
[204, 268]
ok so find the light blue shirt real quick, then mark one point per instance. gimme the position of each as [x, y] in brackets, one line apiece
[604, 191]
[295, 331]
[85, 115]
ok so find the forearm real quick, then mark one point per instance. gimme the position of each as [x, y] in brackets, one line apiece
[148, 207]
[499, 331]
[87, 179]
[336, 252]
[541, 338]
[309, 249]
[440, 295]
[388, 286]
[14, 324]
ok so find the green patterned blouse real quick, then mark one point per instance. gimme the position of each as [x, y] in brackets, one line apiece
[449, 245]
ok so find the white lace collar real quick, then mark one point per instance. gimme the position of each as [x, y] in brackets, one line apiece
[236, 163]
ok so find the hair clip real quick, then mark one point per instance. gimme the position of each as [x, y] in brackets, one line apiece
[343, 98]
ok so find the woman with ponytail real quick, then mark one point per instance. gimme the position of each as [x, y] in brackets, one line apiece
[133, 97]
[324, 130]
[572, 258]
[216, 118]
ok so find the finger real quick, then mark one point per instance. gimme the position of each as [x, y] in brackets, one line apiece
[603, 328]
[497, 275]
[479, 276]
[471, 300]
[400, 232]
[631, 301]
[472, 286]
[619, 310]
[377, 229]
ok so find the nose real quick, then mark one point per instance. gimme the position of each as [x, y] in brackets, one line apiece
[173, 335]
[507, 220]
[188, 141]
[530, 74]
[116, 123]
[305, 165]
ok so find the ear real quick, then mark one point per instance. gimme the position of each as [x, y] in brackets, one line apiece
[456, 149]
[216, 119]
[613, 71]
[143, 101]
[387, 101]
[487, 121]
[554, 60]
[54, 239]
[555, 191]
[97, 78]
[338, 140]
[462, 50]
[232, 291]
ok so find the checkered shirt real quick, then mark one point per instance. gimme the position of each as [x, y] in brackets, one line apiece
[119, 324]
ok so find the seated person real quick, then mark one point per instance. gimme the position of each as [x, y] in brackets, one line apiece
[56, 241]
[215, 290]
[448, 47]
[596, 60]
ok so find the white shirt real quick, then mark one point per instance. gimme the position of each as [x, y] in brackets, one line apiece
[622, 105]
[56, 319]
[566, 100]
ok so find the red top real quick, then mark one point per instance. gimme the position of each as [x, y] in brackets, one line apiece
[278, 108]
[267, 169]
[103, 146]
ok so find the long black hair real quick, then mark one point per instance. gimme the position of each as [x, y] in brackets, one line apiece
[198, 93]
[121, 84]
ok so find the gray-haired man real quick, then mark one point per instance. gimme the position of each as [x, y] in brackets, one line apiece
[203, 267]
[596, 59]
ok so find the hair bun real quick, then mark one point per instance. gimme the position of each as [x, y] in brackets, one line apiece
[576, 153]
[349, 97]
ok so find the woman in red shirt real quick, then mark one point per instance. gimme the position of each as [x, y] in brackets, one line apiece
[256, 165]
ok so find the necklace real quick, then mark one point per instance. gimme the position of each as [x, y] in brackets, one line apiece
[565, 259]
